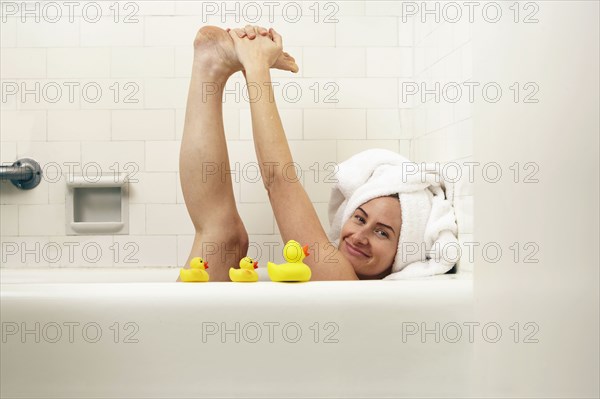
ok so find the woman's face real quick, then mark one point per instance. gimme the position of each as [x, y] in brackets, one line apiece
[369, 239]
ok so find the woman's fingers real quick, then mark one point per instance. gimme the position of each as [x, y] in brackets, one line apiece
[250, 31]
[277, 38]
[262, 31]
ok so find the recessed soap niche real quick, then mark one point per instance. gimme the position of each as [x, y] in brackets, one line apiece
[97, 206]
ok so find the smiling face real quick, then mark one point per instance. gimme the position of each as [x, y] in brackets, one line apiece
[369, 239]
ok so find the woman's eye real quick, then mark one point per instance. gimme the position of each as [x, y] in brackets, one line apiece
[383, 233]
[359, 218]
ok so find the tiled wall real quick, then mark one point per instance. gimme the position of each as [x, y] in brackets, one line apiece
[443, 131]
[346, 98]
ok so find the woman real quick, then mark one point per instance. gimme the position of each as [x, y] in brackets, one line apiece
[368, 240]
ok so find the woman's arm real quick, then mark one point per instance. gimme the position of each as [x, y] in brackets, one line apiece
[294, 212]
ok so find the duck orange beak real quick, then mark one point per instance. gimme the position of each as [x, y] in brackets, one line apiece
[206, 265]
[255, 265]
[305, 249]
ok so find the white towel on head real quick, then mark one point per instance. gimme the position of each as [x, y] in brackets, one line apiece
[428, 220]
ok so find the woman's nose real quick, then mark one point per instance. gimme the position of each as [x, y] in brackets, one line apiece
[360, 237]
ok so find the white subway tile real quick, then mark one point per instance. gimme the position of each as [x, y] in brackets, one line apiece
[258, 218]
[385, 8]
[168, 219]
[409, 93]
[184, 57]
[241, 154]
[22, 126]
[158, 188]
[51, 155]
[146, 251]
[389, 62]
[366, 31]
[347, 148]
[66, 125]
[20, 252]
[343, 124]
[166, 93]
[162, 156]
[430, 147]
[24, 63]
[10, 220]
[460, 140]
[8, 152]
[113, 94]
[311, 154]
[463, 207]
[405, 148]
[462, 33]
[124, 156]
[334, 61]
[57, 185]
[152, 8]
[306, 32]
[78, 62]
[318, 183]
[171, 30]
[107, 32]
[143, 125]
[406, 32]
[291, 119]
[42, 220]
[466, 261]
[466, 62]
[11, 195]
[137, 219]
[44, 33]
[8, 32]
[42, 94]
[367, 93]
[252, 189]
[142, 62]
[465, 185]
[385, 124]
[89, 251]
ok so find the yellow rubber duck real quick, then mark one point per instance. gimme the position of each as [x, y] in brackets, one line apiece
[295, 269]
[196, 272]
[246, 273]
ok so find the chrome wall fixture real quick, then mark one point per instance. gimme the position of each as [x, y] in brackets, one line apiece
[24, 173]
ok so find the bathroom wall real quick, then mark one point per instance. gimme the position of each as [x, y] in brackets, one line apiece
[103, 88]
[442, 106]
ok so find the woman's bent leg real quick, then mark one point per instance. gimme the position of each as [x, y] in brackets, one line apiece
[221, 238]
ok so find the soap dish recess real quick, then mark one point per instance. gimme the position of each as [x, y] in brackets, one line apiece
[97, 207]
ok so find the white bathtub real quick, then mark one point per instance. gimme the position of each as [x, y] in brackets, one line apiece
[135, 333]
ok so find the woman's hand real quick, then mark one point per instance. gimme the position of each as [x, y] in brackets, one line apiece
[257, 47]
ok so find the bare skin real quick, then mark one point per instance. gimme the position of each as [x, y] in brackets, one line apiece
[221, 238]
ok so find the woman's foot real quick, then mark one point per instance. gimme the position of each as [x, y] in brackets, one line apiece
[215, 52]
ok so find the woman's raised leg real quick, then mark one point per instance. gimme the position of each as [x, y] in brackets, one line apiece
[221, 238]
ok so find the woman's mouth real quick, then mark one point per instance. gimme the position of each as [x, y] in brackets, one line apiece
[355, 251]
